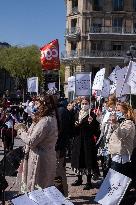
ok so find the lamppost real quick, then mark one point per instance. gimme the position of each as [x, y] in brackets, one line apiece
[130, 54]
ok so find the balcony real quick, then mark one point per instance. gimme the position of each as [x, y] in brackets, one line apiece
[74, 11]
[73, 34]
[111, 32]
[97, 8]
[107, 29]
[93, 56]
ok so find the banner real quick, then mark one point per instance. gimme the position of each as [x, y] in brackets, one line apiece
[113, 188]
[106, 88]
[50, 56]
[32, 85]
[71, 84]
[122, 87]
[113, 75]
[83, 84]
[98, 80]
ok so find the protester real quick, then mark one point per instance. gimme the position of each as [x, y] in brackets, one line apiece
[107, 110]
[39, 165]
[121, 142]
[62, 143]
[84, 152]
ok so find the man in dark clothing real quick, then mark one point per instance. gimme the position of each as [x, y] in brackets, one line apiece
[62, 143]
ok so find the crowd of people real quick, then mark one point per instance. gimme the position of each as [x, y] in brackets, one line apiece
[89, 133]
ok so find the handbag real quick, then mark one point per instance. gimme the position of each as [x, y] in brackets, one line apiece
[3, 183]
[11, 161]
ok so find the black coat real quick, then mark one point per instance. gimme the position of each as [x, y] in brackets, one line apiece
[64, 128]
[84, 152]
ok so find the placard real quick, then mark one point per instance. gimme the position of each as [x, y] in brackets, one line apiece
[32, 85]
[113, 75]
[106, 88]
[47, 196]
[113, 188]
[131, 77]
[71, 84]
[83, 84]
[122, 87]
[98, 80]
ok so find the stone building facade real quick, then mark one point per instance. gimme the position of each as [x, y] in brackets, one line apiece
[98, 34]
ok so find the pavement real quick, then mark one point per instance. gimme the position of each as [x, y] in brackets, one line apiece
[76, 194]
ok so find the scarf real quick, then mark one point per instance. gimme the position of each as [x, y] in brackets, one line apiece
[82, 115]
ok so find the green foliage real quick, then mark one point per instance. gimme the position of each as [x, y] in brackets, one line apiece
[21, 62]
[62, 73]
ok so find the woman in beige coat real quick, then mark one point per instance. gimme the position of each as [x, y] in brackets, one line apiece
[121, 142]
[39, 165]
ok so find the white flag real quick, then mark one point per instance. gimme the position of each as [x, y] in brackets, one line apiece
[83, 84]
[122, 87]
[113, 75]
[71, 84]
[98, 80]
[106, 88]
[113, 188]
[32, 85]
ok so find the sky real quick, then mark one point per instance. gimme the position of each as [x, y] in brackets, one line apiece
[27, 22]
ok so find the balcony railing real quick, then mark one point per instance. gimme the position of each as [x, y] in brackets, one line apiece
[110, 30]
[73, 31]
[74, 10]
[92, 54]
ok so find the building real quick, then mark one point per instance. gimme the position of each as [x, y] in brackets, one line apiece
[98, 34]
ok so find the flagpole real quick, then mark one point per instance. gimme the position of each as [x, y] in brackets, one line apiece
[59, 81]
[130, 100]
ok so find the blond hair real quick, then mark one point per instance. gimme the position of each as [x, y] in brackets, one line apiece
[128, 110]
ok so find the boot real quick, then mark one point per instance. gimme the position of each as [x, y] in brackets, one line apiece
[88, 185]
[78, 182]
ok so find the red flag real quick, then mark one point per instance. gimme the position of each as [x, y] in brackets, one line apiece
[50, 56]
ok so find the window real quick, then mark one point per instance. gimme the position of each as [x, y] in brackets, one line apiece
[73, 23]
[74, 6]
[118, 5]
[134, 26]
[74, 3]
[134, 5]
[117, 25]
[96, 45]
[97, 5]
[73, 49]
[116, 47]
[73, 46]
[97, 25]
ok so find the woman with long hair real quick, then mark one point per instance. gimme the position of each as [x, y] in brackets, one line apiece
[39, 165]
[84, 153]
[121, 142]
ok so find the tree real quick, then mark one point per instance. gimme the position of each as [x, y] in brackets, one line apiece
[62, 73]
[21, 62]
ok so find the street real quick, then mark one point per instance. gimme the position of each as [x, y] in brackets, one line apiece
[76, 194]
